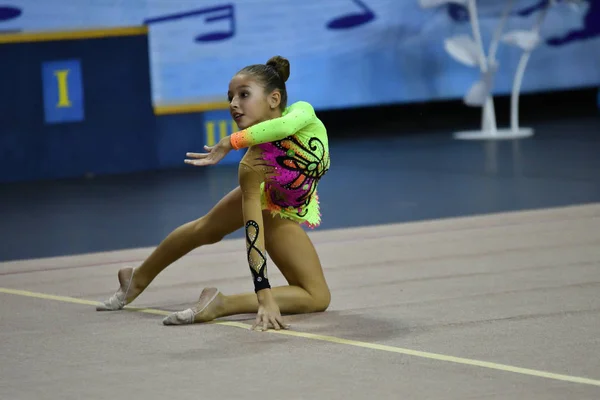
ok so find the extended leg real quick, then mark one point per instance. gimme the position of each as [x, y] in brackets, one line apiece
[225, 218]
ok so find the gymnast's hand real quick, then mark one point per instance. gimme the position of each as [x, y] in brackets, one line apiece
[268, 313]
[214, 153]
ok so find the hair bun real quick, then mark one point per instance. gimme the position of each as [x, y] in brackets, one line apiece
[281, 65]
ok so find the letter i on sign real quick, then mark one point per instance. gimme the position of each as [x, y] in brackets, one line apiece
[63, 91]
[63, 88]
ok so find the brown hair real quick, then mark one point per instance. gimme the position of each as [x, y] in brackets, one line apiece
[272, 75]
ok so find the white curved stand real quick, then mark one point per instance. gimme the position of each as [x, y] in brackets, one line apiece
[499, 134]
[469, 51]
[527, 41]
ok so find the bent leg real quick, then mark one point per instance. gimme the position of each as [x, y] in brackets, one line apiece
[224, 218]
[292, 251]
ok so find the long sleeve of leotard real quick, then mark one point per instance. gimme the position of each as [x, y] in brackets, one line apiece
[299, 115]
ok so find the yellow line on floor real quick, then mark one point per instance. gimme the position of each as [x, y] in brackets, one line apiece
[48, 296]
[332, 339]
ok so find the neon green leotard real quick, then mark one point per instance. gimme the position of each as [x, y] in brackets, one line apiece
[297, 147]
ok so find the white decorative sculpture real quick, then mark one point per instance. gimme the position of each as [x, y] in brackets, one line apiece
[469, 51]
[527, 41]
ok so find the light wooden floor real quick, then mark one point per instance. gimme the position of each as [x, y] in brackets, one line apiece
[502, 306]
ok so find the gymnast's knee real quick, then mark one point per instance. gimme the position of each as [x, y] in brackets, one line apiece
[321, 300]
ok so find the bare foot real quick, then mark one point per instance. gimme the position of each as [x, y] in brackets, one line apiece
[209, 305]
[124, 295]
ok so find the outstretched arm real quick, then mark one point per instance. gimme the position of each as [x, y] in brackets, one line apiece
[300, 114]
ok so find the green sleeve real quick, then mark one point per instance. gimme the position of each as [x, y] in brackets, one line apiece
[298, 116]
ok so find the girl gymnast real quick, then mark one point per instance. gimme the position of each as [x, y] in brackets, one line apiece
[288, 153]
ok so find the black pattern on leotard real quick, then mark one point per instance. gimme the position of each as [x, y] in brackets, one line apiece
[257, 261]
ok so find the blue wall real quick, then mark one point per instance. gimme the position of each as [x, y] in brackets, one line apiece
[343, 53]
[105, 123]
[392, 51]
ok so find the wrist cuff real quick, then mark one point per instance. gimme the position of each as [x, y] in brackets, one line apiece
[236, 140]
[261, 283]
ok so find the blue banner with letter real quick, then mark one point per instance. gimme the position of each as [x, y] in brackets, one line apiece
[45, 130]
[63, 91]
[343, 53]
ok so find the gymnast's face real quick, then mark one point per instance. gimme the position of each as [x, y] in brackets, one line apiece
[248, 102]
